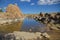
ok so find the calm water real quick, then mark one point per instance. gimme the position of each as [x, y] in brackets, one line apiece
[23, 25]
[31, 24]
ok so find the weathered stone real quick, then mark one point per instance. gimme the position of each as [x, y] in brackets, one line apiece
[17, 35]
[14, 10]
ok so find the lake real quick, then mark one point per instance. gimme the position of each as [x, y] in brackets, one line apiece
[28, 24]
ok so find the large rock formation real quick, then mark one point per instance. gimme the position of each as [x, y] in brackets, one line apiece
[14, 11]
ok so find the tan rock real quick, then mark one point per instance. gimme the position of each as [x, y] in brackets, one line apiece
[14, 11]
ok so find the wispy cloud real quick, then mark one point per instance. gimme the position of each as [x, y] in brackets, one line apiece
[16, 4]
[25, 0]
[32, 3]
[48, 2]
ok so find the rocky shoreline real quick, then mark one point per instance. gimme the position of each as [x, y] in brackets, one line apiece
[17, 35]
[52, 21]
[9, 21]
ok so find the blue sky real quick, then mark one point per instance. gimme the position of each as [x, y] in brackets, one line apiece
[33, 6]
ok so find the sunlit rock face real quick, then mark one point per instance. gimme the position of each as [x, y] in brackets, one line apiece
[20, 35]
[14, 11]
[3, 15]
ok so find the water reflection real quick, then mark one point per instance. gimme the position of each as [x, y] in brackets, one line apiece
[27, 24]
[15, 26]
[32, 25]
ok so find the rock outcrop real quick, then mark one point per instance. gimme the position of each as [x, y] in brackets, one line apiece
[12, 11]
[51, 20]
[26, 36]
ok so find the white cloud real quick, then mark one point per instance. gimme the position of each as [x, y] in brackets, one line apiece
[25, 0]
[48, 2]
[32, 3]
[16, 4]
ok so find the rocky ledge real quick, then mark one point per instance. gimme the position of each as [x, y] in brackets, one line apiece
[17, 35]
[52, 21]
